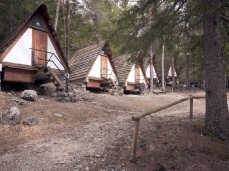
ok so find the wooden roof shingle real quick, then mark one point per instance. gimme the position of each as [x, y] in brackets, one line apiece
[82, 60]
[123, 66]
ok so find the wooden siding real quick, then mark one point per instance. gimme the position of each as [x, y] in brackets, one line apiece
[137, 74]
[19, 75]
[39, 39]
[104, 66]
[93, 84]
[130, 87]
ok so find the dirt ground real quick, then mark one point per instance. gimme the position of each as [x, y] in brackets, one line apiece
[96, 132]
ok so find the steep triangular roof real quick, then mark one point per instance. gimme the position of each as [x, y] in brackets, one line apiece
[124, 63]
[43, 12]
[82, 60]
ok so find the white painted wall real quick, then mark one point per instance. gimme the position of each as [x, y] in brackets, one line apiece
[148, 72]
[131, 76]
[51, 49]
[20, 53]
[170, 72]
[110, 70]
[95, 71]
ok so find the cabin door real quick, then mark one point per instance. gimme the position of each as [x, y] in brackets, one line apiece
[39, 44]
[103, 67]
[137, 74]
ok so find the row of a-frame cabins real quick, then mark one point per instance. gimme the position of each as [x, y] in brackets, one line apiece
[32, 54]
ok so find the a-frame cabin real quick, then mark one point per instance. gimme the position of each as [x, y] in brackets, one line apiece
[93, 66]
[131, 75]
[147, 69]
[170, 74]
[31, 53]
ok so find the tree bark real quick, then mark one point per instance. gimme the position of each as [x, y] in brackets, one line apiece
[57, 14]
[151, 69]
[68, 30]
[216, 117]
[151, 54]
[65, 54]
[163, 68]
[187, 71]
[173, 75]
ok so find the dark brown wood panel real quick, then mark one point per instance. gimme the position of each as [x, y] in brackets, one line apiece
[104, 66]
[39, 39]
[19, 75]
[137, 73]
[93, 84]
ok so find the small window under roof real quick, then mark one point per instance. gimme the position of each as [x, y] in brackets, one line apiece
[37, 23]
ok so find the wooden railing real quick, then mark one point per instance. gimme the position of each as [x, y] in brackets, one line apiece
[136, 119]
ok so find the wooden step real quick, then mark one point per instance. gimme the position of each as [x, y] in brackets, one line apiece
[58, 82]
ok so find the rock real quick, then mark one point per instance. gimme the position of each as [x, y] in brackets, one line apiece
[67, 97]
[58, 115]
[70, 94]
[30, 95]
[63, 99]
[30, 121]
[74, 99]
[11, 116]
[17, 101]
[62, 94]
[76, 91]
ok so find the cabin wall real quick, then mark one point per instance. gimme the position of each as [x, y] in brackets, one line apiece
[52, 50]
[130, 87]
[19, 75]
[20, 53]
[93, 84]
[110, 72]
[148, 72]
[170, 72]
[131, 76]
[95, 70]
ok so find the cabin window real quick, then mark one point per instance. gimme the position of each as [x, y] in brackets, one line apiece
[37, 23]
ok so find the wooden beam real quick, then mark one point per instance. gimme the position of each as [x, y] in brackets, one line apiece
[166, 106]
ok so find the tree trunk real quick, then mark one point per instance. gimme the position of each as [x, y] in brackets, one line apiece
[163, 68]
[67, 31]
[151, 69]
[173, 75]
[151, 53]
[216, 117]
[57, 14]
[65, 36]
[187, 71]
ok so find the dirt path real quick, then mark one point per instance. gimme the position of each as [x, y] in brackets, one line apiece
[96, 132]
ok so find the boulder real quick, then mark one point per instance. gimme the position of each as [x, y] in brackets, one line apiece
[30, 121]
[30, 95]
[11, 116]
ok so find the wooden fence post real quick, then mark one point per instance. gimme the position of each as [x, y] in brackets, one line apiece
[191, 108]
[134, 142]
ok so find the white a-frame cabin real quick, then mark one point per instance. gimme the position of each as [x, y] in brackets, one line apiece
[148, 73]
[93, 66]
[131, 75]
[32, 53]
[170, 74]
